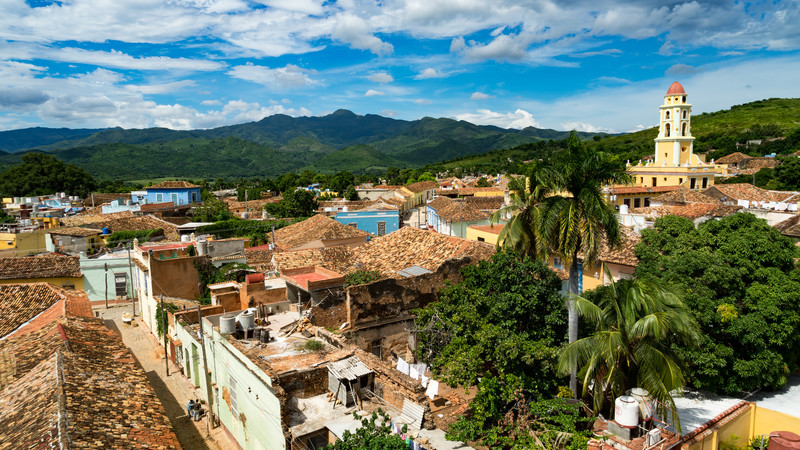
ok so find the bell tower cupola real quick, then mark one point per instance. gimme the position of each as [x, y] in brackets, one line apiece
[674, 144]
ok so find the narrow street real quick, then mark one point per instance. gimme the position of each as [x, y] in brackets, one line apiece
[174, 390]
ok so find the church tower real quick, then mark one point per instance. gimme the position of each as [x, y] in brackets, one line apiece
[674, 144]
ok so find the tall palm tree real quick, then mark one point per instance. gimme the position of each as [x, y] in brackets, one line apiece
[577, 218]
[521, 233]
[636, 322]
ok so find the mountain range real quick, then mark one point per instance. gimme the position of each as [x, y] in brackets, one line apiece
[270, 147]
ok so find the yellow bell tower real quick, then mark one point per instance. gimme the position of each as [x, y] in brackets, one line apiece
[674, 144]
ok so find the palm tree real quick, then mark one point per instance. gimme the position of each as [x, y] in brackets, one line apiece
[521, 233]
[578, 218]
[636, 322]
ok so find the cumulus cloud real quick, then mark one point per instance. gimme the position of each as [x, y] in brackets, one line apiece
[430, 72]
[479, 96]
[373, 93]
[15, 98]
[211, 102]
[354, 30]
[160, 88]
[380, 77]
[582, 126]
[519, 119]
[281, 78]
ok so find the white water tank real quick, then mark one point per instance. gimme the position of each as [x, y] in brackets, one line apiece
[646, 404]
[247, 320]
[623, 209]
[626, 411]
[227, 324]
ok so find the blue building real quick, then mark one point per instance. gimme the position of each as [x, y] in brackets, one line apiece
[177, 192]
[375, 221]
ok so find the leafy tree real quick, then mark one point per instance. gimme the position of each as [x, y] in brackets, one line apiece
[426, 176]
[578, 220]
[40, 174]
[741, 284]
[521, 233]
[375, 433]
[212, 209]
[362, 277]
[295, 203]
[483, 182]
[788, 173]
[635, 322]
[351, 194]
[501, 324]
[341, 181]
[5, 218]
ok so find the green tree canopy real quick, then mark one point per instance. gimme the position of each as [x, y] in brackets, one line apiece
[374, 433]
[40, 174]
[501, 325]
[295, 203]
[739, 279]
[635, 324]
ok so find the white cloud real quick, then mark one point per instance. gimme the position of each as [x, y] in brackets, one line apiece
[160, 88]
[581, 126]
[380, 77]
[354, 30]
[422, 101]
[281, 78]
[430, 72]
[373, 93]
[519, 119]
[211, 102]
[479, 96]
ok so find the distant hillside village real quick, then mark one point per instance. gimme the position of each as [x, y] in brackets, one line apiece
[289, 316]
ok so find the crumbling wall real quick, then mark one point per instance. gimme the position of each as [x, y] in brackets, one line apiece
[331, 311]
[305, 383]
[394, 386]
[395, 298]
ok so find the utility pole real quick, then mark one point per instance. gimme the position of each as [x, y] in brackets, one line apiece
[165, 327]
[105, 269]
[205, 370]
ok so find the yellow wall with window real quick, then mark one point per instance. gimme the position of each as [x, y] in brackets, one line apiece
[76, 282]
[474, 234]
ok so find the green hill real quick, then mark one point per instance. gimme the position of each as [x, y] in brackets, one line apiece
[358, 158]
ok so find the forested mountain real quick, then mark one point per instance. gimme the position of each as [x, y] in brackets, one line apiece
[370, 143]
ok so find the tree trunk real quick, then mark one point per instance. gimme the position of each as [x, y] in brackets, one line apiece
[572, 319]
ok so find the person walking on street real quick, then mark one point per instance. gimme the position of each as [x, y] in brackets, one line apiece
[189, 407]
[196, 410]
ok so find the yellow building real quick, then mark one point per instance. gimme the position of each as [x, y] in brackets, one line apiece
[675, 163]
[484, 233]
[58, 270]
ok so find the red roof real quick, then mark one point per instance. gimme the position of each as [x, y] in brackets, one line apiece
[676, 89]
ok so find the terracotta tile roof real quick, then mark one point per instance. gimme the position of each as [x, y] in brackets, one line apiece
[151, 207]
[73, 383]
[462, 211]
[259, 258]
[692, 211]
[733, 158]
[20, 303]
[408, 247]
[88, 219]
[746, 191]
[623, 253]
[486, 203]
[350, 205]
[253, 205]
[139, 223]
[685, 195]
[440, 202]
[790, 227]
[494, 229]
[318, 227]
[337, 259]
[44, 266]
[642, 190]
[75, 231]
[759, 163]
[173, 185]
[421, 186]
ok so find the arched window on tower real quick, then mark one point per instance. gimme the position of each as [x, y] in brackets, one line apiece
[666, 130]
[685, 113]
[667, 115]
[683, 131]
[684, 99]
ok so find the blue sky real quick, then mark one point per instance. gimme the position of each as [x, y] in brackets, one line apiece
[601, 65]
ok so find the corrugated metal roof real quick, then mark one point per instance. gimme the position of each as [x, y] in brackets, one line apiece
[413, 271]
[349, 368]
[412, 414]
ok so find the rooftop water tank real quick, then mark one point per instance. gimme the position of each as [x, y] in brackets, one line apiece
[626, 411]
[106, 230]
[247, 320]
[646, 404]
[227, 324]
[623, 209]
[783, 440]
